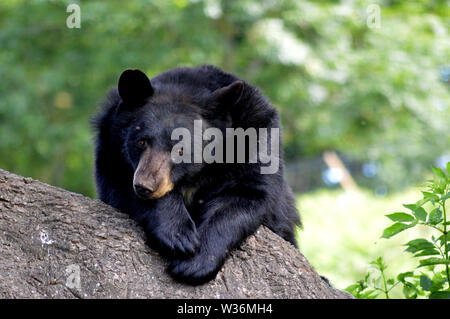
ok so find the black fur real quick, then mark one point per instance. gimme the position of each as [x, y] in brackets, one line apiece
[230, 200]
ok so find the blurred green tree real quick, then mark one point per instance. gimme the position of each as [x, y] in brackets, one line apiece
[378, 94]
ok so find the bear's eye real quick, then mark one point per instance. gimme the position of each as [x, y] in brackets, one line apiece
[180, 151]
[141, 143]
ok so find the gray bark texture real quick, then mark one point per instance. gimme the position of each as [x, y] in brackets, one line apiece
[58, 244]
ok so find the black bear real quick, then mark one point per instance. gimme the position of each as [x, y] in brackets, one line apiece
[193, 212]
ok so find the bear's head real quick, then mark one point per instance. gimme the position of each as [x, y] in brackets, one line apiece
[152, 113]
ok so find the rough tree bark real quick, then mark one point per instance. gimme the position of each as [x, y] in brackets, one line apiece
[49, 236]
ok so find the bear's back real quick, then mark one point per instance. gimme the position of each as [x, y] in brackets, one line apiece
[253, 109]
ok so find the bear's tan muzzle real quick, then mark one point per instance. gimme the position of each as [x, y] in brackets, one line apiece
[152, 176]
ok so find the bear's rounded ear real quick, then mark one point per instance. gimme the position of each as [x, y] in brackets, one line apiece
[134, 86]
[229, 95]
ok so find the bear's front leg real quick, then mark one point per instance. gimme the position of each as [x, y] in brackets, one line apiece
[169, 227]
[226, 222]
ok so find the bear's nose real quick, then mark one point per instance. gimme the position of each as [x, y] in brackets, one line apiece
[143, 191]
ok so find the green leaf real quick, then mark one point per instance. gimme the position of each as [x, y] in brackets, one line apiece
[418, 211]
[369, 294]
[401, 277]
[436, 286]
[430, 195]
[418, 245]
[425, 282]
[433, 261]
[411, 207]
[409, 290]
[395, 229]
[440, 295]
[448, 168]
[427, 252]
[379, 263]
[400, 217]
[438, 282]
[423, 201]
[353, 289]
[427, 196]
[420, 214]
[435, 216]
[442, 239]
[438, 172]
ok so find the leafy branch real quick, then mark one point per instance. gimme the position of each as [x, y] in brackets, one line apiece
[431, 278]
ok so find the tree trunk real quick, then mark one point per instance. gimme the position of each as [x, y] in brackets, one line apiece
[57, 244]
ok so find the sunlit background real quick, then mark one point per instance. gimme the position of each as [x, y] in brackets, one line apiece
[362, 88]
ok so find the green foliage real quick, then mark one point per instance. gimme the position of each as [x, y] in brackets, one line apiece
[374, 94]
[431, 278]
[342, 232]
[374, 282]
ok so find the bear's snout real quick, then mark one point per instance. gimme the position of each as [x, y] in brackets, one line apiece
[152, 176]
[143, 191]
